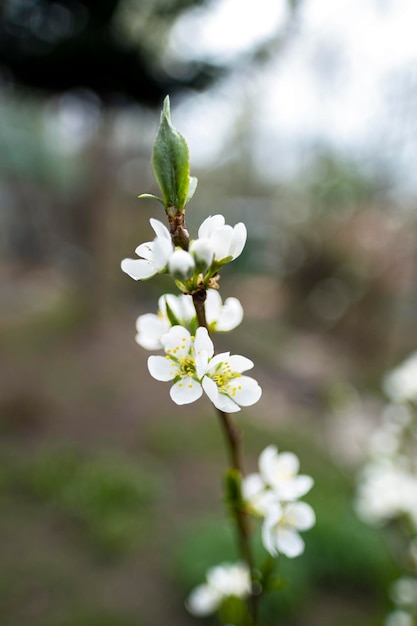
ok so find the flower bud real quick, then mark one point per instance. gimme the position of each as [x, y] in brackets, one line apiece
[170, 161]
[203, 253]
[181, 264]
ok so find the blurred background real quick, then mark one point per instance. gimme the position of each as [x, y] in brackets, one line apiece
[301, 121]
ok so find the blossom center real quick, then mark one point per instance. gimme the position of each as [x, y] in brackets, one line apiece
[224, 377]
[184, 364]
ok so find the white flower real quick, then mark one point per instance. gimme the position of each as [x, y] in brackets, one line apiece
[281, 525]
[189, 362]
[401, 383]
[227, 241]
[155, 254]
[220, 317]
[278, 480]
[181, 264]
[223, 581]
[399, 618]
[404, 591]
[179, 364]
[223, 382]
[387, 489]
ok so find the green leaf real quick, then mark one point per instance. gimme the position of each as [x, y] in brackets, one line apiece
[173, 320]
[191, 187]
[170, 162]
[152, 197]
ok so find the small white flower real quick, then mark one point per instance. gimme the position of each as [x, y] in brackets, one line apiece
[387, 489]
[399, 618]
[222, 581]
[277, 481]
[220, 317]
[181, 264]
[155, 254]
[226, 241]
[179, 364]
[404, 591]
[281, 525]
[223, 382]
[189, 362]
[401, 383]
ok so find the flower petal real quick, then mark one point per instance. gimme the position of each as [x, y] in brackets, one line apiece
[300, 515]
[150, 328]
[160, 230]
[162, 368]
[177, 341]
[238, 240]
[145, 250]
[210, 224]
[203, 600]
[247, 392]
[220, 401]
[240, 363]
[267, 462]
[203, 342]
[185, 391]
[230, 315]
[289, 542]
[138, 269]
[221, 240]
[162, 250]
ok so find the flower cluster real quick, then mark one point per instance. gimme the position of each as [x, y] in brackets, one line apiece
[273, 495]
[223, 581]
[387, 486]
[217, 244]
[190, 362]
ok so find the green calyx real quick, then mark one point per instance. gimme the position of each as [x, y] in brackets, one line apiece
[171, 165]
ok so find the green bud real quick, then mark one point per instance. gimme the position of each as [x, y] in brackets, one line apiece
[171, 164]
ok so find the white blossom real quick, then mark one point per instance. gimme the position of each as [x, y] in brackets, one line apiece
[223, 382]
[399, 618]
[179, 364]
[400, 384]
[227, 241]
[190, 364]
[222, 581]
[404, 591]
[387, 490]
[221, 317]
[281, 525]
[278, 479]
[154, 254]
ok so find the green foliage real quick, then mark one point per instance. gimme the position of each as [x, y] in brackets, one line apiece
[107, 499]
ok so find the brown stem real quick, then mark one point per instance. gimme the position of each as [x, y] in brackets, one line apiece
[232, 434]
[233, 442]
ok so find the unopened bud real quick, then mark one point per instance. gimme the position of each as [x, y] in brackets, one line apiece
[181, 265]
[203, 253]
